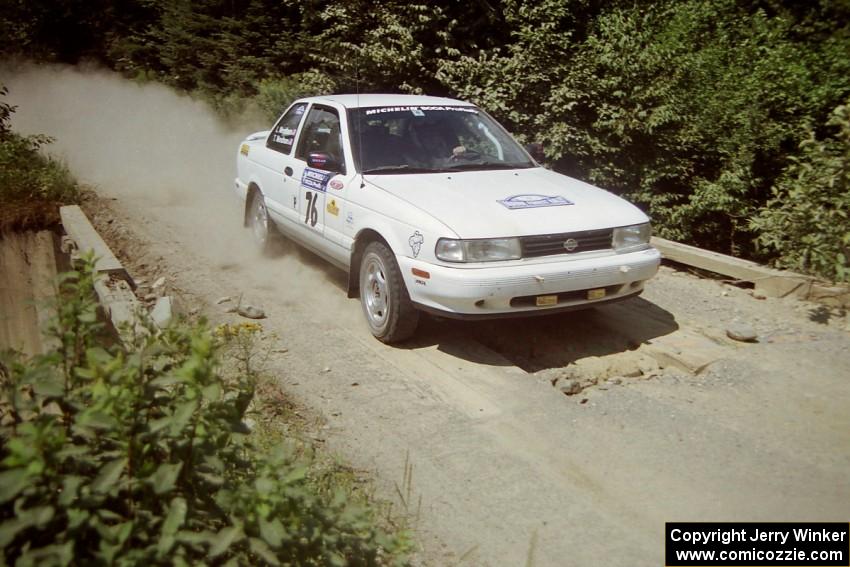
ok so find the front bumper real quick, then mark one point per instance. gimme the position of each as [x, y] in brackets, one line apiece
[501, 291]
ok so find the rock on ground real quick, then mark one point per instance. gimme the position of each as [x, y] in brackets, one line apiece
[161, 313]
[741, 332]
[251, 312]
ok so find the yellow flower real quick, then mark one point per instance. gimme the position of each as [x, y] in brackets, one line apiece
[227, 331]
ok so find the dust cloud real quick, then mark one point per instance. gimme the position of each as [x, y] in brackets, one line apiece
[142, 144]
[164, 156]
[129, 139]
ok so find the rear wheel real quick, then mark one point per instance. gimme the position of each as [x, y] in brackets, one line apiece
[258, 221]
[383, 296]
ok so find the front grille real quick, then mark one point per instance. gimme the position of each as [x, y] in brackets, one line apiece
[550, 244]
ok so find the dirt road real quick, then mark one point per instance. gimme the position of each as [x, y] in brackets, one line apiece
[506, 467]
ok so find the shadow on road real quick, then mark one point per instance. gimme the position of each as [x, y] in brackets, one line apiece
[537, 343]
[533, 343]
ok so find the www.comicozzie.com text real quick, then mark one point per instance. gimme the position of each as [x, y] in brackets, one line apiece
[726, 536]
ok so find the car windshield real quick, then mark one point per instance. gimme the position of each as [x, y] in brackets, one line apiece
[431, 139]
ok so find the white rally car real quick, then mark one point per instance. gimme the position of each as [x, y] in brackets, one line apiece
[430, 205]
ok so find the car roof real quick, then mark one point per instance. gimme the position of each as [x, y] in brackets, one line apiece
[374, 100]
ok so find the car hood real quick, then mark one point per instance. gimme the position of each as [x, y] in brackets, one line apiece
[518, 202]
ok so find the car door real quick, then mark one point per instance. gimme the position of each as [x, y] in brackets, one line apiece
[320, 134]
[280, 186]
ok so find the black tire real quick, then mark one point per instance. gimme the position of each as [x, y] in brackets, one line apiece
[260, 224]
[390, 314]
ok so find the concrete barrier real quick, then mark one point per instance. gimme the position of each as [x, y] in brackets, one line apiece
[767, 281]
[113, 282]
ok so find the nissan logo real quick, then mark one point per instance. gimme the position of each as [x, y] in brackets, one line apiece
[570, 244]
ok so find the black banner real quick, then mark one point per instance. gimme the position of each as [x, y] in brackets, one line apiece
[766, 544]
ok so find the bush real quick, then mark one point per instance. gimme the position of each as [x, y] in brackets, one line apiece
[275, 95]
[26, 173]
[6, 111]
[807, 222]
[690, 109]
[140, 457]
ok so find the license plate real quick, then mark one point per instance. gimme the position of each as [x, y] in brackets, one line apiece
[546, 300]
[596, 293]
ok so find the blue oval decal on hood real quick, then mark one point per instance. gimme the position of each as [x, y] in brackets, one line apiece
[534, 201]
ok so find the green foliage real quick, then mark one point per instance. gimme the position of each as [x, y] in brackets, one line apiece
[380, 46]
[25, 172]
[216, 47]
[275, 95]
[691, 109]
[512, 78]
[807, 222]
[57, 30]
[6, 111]
[140, 457]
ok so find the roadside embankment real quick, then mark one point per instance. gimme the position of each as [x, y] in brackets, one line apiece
[27, 276]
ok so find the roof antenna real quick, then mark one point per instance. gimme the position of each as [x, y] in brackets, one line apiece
[359, 123]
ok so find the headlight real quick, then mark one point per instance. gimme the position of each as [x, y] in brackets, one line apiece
[634, 236]
[484, 250]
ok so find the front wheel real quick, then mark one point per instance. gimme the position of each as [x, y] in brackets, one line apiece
[383, 296]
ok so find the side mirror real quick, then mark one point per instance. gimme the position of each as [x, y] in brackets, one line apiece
[535, 149]
[324, 162]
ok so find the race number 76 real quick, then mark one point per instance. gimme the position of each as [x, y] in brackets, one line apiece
[312, 215]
